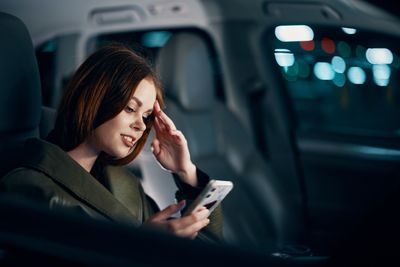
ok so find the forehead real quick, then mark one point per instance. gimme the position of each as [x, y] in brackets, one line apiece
[146, 92]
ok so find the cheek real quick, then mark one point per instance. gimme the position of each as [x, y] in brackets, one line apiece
[105, 134]
[111, 127]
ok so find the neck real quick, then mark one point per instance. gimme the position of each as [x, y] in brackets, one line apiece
[85, 155]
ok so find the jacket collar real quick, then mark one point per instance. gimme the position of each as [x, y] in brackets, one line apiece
[59, 166]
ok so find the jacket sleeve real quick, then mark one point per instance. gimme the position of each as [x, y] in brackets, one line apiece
[213, 231]
[31, 185]
[28, 184]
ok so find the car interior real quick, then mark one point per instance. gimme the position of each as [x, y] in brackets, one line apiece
[30, 233]
[306, 129]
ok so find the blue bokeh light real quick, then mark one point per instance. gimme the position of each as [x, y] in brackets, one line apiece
[339, 79]
[323, 71]
[356, 75]
[381, 74]
[338, 64]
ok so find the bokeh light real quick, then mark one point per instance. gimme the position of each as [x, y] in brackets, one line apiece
[356, 75]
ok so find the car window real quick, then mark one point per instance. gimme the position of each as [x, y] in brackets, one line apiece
[340, 80]
[148, 43]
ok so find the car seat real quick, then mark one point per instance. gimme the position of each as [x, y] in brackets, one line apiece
[20, 101]
[21, 113]
[258, 212]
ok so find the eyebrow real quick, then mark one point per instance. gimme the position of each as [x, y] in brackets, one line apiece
[140, 103]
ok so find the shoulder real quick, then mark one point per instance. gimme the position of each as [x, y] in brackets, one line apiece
[26, 180]
[25, 175]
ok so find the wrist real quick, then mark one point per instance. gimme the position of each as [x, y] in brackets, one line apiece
[189, 175]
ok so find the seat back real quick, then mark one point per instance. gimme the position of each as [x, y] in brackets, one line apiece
[257, 212]
[20, 94]
[47, 121]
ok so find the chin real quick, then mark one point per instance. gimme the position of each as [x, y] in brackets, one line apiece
[121, 153]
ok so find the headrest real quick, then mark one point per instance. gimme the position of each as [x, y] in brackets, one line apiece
[185, 68]
[20, 94]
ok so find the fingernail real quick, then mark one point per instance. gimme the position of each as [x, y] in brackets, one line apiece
[182, 204]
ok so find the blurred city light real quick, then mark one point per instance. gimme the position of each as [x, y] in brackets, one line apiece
[307, 45]
[344, 49]
[323, 71]
[328, 45]
[349, 30]
[338, 64]
[284, 57]
[339, 79]
[356, 75]
[291, 72]
[379, 56]
[294, 33]
[381, 74]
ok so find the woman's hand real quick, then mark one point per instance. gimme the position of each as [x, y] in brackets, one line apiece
[170, 148]
[187, 226]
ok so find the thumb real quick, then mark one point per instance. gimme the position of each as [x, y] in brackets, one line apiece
[168, 211]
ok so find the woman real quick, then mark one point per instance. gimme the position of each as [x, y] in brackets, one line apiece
[103, 121]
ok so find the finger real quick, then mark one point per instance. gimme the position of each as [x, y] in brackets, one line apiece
[193, 217]
[193, 228]
[155, 147]
[200, 208]
[168, 211]
[160, 130]
[168, 123]
[178, 135]
[157, 107]
[158, 126]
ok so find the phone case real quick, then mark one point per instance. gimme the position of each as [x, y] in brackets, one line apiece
[212, 195]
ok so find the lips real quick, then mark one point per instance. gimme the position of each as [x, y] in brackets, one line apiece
[128, 140]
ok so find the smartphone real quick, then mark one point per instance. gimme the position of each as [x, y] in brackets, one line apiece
[214, 192]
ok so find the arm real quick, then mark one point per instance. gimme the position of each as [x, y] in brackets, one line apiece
[171, 151]
[34, 187]
[27, 183]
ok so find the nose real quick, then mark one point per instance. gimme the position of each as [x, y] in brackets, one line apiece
[138, 125]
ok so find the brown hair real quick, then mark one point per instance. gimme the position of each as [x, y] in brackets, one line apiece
[98, 91]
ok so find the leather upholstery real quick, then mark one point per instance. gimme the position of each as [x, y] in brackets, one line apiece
[189, 70]
[20, 93]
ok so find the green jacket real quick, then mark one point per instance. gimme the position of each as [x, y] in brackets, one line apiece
[50, 175]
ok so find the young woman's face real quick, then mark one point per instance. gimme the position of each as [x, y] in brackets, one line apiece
[118, 136]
